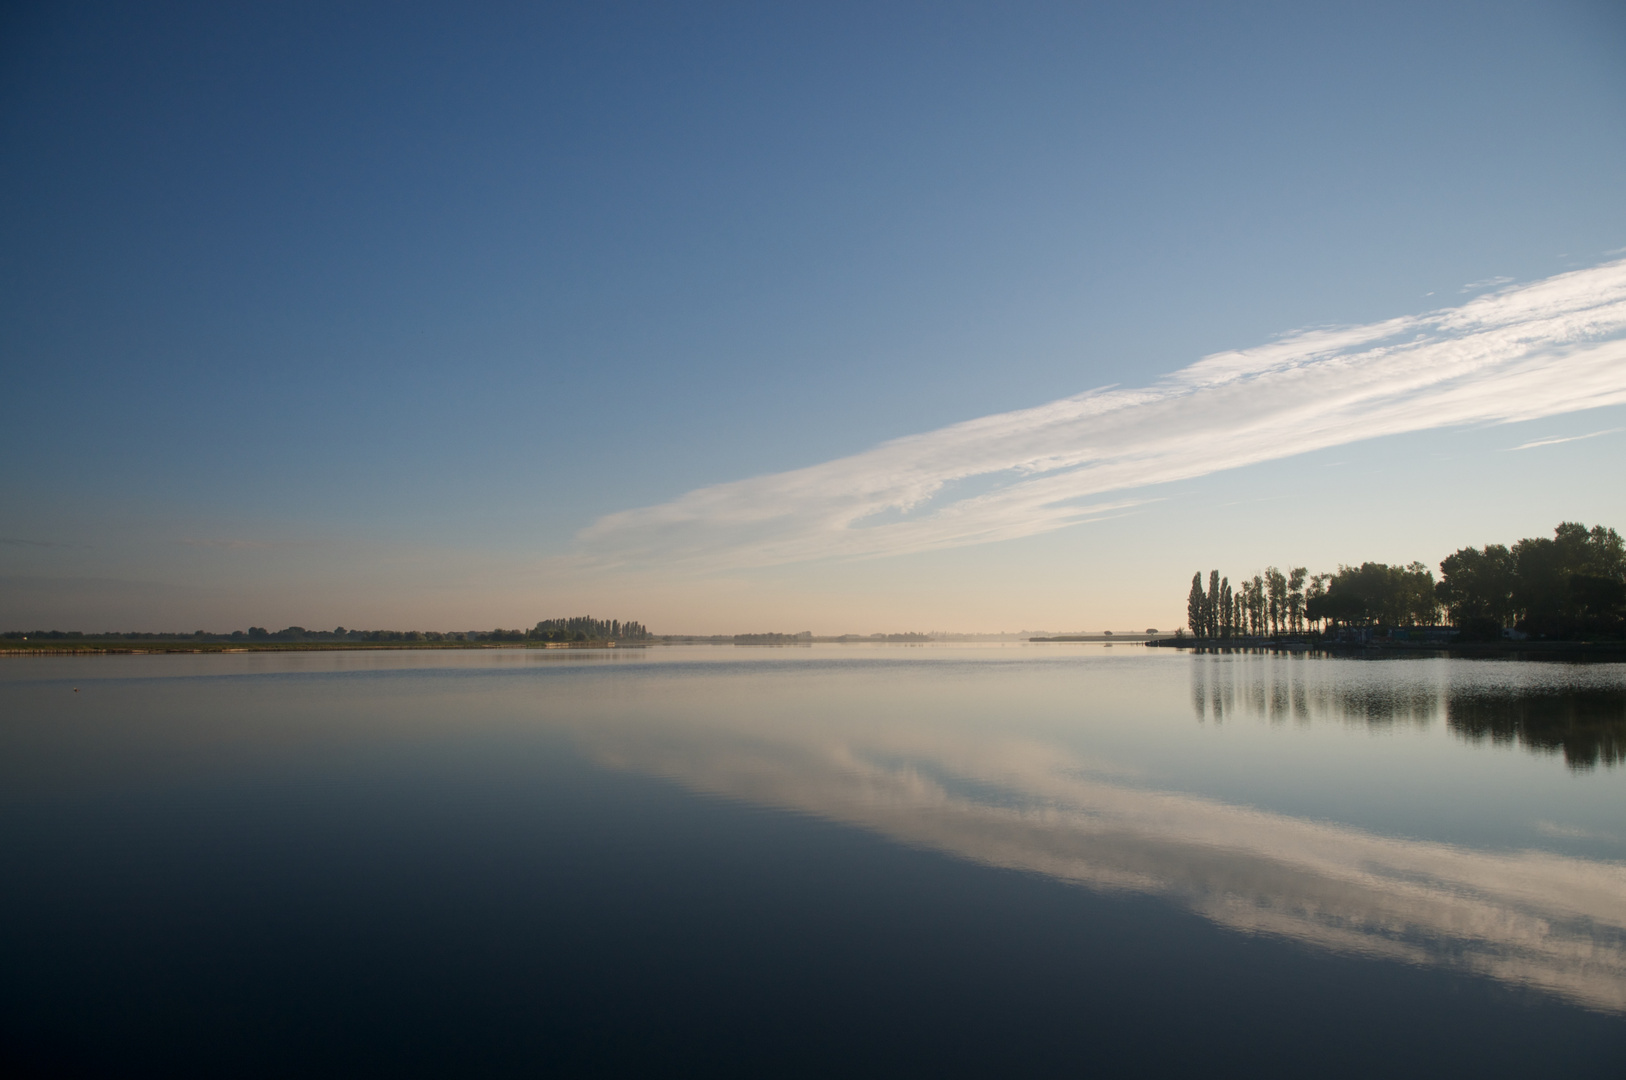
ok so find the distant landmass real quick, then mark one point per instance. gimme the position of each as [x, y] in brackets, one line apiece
[579, 631]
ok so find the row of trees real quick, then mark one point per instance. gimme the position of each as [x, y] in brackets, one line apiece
[1573, 584]
[1267, 604]
[574, 628]
[299, 633]
[587, 628]
[1377, 594]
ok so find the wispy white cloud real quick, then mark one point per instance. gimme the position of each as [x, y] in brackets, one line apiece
[1486, 283]
[1520, 353]
[1568, 832]
[1556, 439]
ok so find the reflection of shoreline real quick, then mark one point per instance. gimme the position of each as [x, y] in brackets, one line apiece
[1587, 724]
[1381, 649]
[1547, 921]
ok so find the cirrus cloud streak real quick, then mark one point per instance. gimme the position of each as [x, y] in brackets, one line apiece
[1524, 352]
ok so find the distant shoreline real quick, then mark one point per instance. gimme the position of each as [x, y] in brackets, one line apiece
[84, 647]
[1377, 649]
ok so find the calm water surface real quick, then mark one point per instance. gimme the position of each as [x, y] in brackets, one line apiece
[1024, 860]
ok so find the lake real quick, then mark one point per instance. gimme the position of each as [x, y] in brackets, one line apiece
[1027, 860]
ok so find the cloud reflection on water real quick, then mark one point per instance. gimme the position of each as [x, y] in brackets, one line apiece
[1008, 798]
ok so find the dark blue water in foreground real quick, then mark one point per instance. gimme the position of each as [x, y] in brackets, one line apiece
[918, 862]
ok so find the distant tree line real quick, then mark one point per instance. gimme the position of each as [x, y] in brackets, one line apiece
[587, 628]
[577, 628]
[1571, 585]
[299, 633]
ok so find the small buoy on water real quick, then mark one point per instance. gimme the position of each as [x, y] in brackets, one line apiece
[76, 689]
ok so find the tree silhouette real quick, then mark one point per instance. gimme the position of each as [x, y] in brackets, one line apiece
[1276, 585]
[1312, 599]
[1295, 598]
[1194, 605]
[1211, 605]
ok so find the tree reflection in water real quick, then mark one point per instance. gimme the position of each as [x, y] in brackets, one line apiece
[1551, 709]
[1587, 726]
[1280, 686]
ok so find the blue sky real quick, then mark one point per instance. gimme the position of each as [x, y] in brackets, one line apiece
[385, 315]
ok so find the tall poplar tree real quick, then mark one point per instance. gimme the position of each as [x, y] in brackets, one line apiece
[1212, 608]
[1194, 605]
[1278, 597]
[1295, 597]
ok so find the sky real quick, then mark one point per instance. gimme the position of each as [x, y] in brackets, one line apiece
[849, 318]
